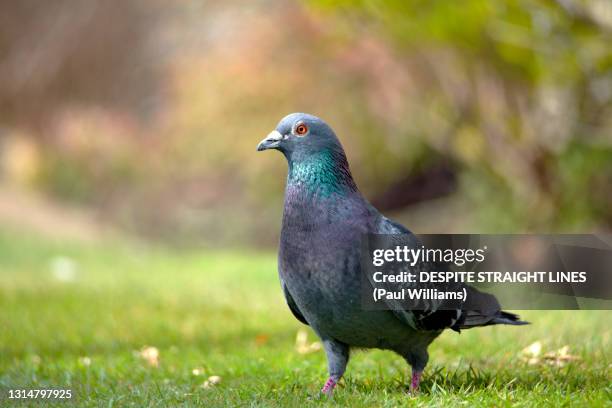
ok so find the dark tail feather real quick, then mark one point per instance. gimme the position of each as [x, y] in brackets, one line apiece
[474, 318]
[483, 309]
[508, 318]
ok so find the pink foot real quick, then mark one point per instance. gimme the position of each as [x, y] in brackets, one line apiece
[328, 388]
[416, 380]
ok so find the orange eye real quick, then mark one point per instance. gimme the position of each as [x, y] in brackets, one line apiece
[301, 129]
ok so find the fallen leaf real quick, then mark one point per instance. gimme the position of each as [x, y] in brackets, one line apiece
[533, 350]
[532, 354]
[150, 355]
[85, 361]
[560, 357]
[212, 381]
[533, 361]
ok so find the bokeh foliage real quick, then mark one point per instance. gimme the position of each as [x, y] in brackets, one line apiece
[521, 94]
[512, 96]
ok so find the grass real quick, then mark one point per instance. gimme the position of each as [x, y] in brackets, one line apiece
[78, 316]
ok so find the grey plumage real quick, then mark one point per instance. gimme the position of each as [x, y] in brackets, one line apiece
[324, 219]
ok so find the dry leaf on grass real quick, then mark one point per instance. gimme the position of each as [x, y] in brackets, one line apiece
[532, 352]
[212, 381]
[301, 343]
[534, 349]
[150, 355]
[560, 357]
[533, 355]
[85, 361]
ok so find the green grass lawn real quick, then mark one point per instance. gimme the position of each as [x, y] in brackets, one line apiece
[78, 316]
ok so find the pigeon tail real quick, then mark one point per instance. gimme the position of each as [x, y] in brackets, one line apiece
[474, 318]
[483, 309]
[508, 318]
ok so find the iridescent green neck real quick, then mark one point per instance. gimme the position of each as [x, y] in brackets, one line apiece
[325, 172]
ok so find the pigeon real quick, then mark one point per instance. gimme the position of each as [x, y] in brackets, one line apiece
[324, 219]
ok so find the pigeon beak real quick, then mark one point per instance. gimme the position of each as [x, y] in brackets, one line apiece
[272, 141]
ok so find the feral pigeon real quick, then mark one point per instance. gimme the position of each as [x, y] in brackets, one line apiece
[325, 217]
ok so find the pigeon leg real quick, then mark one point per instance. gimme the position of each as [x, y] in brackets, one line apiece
[329, 386]
[416, 380]
[417, 358]
[337, 358]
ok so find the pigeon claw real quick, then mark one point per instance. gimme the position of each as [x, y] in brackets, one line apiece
[329, 386]
[416, 380]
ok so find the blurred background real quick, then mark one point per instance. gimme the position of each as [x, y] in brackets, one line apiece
[472, 116]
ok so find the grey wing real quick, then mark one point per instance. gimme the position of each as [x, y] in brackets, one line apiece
[429, 315]
[292, 306]
[478, 309]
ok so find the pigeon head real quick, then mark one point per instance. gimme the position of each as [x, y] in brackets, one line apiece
[315, 155]
[300, 135]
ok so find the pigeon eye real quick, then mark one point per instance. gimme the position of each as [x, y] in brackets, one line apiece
[301, 129]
